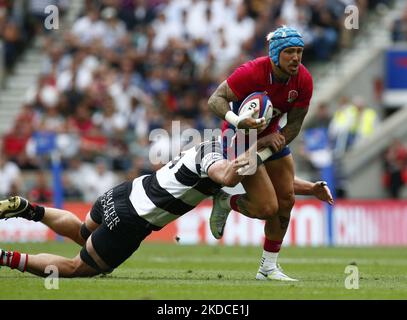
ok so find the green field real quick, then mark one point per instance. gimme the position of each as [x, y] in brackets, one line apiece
[173, 271]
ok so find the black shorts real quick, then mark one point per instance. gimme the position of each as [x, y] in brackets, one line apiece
[121, 230]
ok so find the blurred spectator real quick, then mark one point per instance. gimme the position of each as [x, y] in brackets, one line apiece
[139, 147]
[206, 119]
[79, 75]
[125, 88]
[141, 165]
[14, 142]
[137, 118]
[316, 151]
[76, 172]
[10, 177]
[81, 120]
[97, 180]
[325, 25]
[88, 28]
[188, 107]
[67, 142]
[119, 153]
[399, 28]
[224, 49]
[40, 192]
[13, 31]
[322, 117]
[136, 12]
[242, 28]
[351, 122]
[395, 168]
[164, 31]
[339, 127]
[128, 67]
[71, 192]
[363, 120]
[93, 144]
[110, 121]
[12, 43]
[56, 60]
[51, 118]
[40, 145]
[113, 29]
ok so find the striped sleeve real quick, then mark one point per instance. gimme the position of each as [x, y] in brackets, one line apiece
[209, 152]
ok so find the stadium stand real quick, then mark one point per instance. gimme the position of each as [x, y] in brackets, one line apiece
[119, 69]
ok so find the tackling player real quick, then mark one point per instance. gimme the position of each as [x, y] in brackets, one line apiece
[270, 192]
[124, 216]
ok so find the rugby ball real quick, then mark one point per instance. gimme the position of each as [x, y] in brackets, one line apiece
[261, 100]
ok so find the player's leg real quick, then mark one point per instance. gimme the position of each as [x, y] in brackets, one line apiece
[37, 264]
[66, 268]
[66, 224]
[281, 172]
[55, 218]
[104, 250]
[259, 201]
[63, 222]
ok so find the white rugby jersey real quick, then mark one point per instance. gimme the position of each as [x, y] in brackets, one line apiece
[178, 187]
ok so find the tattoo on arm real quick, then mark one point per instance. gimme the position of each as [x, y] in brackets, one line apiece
[284, 221]
[219, 100]
[295, 117]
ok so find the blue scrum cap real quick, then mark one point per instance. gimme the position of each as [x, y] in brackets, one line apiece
[282, 38]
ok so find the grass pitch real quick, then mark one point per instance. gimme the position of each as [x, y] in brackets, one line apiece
[177, 272]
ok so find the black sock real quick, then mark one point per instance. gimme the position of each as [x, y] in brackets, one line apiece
[37, 212]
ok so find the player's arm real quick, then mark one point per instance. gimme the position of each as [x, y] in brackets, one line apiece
[295, 118]
[275, 140]
[219, 101]
[230, 173]
[318, 189]
[219, 104]
[225, 173]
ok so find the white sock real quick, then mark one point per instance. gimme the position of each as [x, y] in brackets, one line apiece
[268, 260]
[14, 260]
[22, 266]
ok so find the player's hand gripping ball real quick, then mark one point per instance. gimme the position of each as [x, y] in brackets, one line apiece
[258, 100]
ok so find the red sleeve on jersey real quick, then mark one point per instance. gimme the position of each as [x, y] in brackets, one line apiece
[242, 81]
[306, 87]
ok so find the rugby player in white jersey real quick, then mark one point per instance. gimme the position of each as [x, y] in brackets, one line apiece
[124, 216]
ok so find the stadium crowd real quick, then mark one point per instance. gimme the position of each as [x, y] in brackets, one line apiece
[127, 67]
[20, 22]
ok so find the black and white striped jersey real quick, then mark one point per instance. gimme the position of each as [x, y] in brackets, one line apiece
[178, 187]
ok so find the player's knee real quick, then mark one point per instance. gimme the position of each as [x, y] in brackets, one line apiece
[70, 268]
[82, 269]
[287, 201]
[267, 210]
[90, 266]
